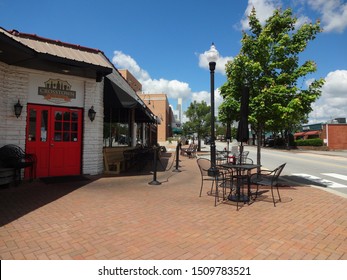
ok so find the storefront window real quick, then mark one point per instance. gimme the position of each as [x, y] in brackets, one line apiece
[44, 122]
[32, 125]
[66, 127]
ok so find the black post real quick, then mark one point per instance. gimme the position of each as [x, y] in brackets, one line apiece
[177, 157]
[212, 169]
[154, 181]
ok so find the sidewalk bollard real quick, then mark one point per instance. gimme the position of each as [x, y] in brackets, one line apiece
[154, 181]
[177, 158]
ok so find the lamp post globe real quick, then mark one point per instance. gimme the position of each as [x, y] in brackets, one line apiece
[212, 54]
[212, 57]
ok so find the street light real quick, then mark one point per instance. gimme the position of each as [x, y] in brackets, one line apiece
[212, 56]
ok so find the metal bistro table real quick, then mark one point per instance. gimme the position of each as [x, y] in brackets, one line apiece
[242, 174]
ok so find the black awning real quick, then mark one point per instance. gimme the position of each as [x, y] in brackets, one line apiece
[118, 97]
[118, 103]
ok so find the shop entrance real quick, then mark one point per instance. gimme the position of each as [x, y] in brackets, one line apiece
[54, 135]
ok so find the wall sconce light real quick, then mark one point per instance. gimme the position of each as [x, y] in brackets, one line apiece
[91, 114]
[18, 109]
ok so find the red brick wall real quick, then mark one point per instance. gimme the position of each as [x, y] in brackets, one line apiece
[337, 136]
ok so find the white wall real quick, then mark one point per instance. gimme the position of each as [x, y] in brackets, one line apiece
[16, 83]
[93, 131]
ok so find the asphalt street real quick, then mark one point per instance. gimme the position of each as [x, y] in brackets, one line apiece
[322, 169]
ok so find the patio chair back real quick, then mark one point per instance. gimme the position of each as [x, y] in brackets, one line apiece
[276, 174]
[243, 157]
[204, 164]
[269, 178]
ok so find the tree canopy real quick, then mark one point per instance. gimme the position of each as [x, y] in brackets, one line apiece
[199, 115]
[269, 65]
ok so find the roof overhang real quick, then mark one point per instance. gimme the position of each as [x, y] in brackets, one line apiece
[15, 51]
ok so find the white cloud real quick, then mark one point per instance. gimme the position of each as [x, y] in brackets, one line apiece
[264, 9]
[127, 62]
[333, 101]
[220, 63]
[206, 96]
[334, 14]
[172, 88]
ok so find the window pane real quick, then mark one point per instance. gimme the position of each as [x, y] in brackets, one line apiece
[66, 116]
[74, 126]
[58, 116]
[32, 125]
[57, 126]
[74, 116]
[57, 136]
[44, 121]
[74, 137]
[66, 136]
[66, 126]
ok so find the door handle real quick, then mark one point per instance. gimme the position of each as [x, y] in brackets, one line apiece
[52, 145]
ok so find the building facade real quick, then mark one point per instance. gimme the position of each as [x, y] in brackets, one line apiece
[158, 103]
[334, 134]
[57, 86]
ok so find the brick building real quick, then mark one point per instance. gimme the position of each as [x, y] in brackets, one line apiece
[57, 85]
[333, 134]
[158, 103]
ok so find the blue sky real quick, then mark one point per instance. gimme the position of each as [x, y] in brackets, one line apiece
[162, 43]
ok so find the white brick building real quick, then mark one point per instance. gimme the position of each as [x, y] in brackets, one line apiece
[57, 84]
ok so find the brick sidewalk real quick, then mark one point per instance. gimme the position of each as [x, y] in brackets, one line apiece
[125, 218]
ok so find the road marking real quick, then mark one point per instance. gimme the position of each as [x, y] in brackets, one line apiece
[335, 175]
[321, 181]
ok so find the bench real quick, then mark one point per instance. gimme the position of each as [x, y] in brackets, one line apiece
[114, 161]
[190, 151]
[13, 157]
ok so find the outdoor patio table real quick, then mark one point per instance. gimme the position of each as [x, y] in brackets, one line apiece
[240, 177]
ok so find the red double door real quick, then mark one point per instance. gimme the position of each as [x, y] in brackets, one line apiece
[54, 135]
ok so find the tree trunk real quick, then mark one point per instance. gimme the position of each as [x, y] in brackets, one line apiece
[259, 142]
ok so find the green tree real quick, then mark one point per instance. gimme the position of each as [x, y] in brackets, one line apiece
[269, 64]
[199, 120]
[229, 110]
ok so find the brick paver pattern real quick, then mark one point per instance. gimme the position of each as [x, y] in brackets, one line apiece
[125, 218]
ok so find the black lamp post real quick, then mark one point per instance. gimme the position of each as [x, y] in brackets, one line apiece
[212, 57]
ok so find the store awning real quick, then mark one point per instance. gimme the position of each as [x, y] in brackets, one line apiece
[299, 134]
[313, 132]
[120, 99]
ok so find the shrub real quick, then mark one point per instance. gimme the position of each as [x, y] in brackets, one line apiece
[309, 142]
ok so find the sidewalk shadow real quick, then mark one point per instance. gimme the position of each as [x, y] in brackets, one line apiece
[302, 181]
[146, 166]
[15, 202]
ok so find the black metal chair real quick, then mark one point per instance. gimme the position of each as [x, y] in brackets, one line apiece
[220, 180]
[268, 178]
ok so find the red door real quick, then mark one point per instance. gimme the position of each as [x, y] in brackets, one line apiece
[54, 135]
